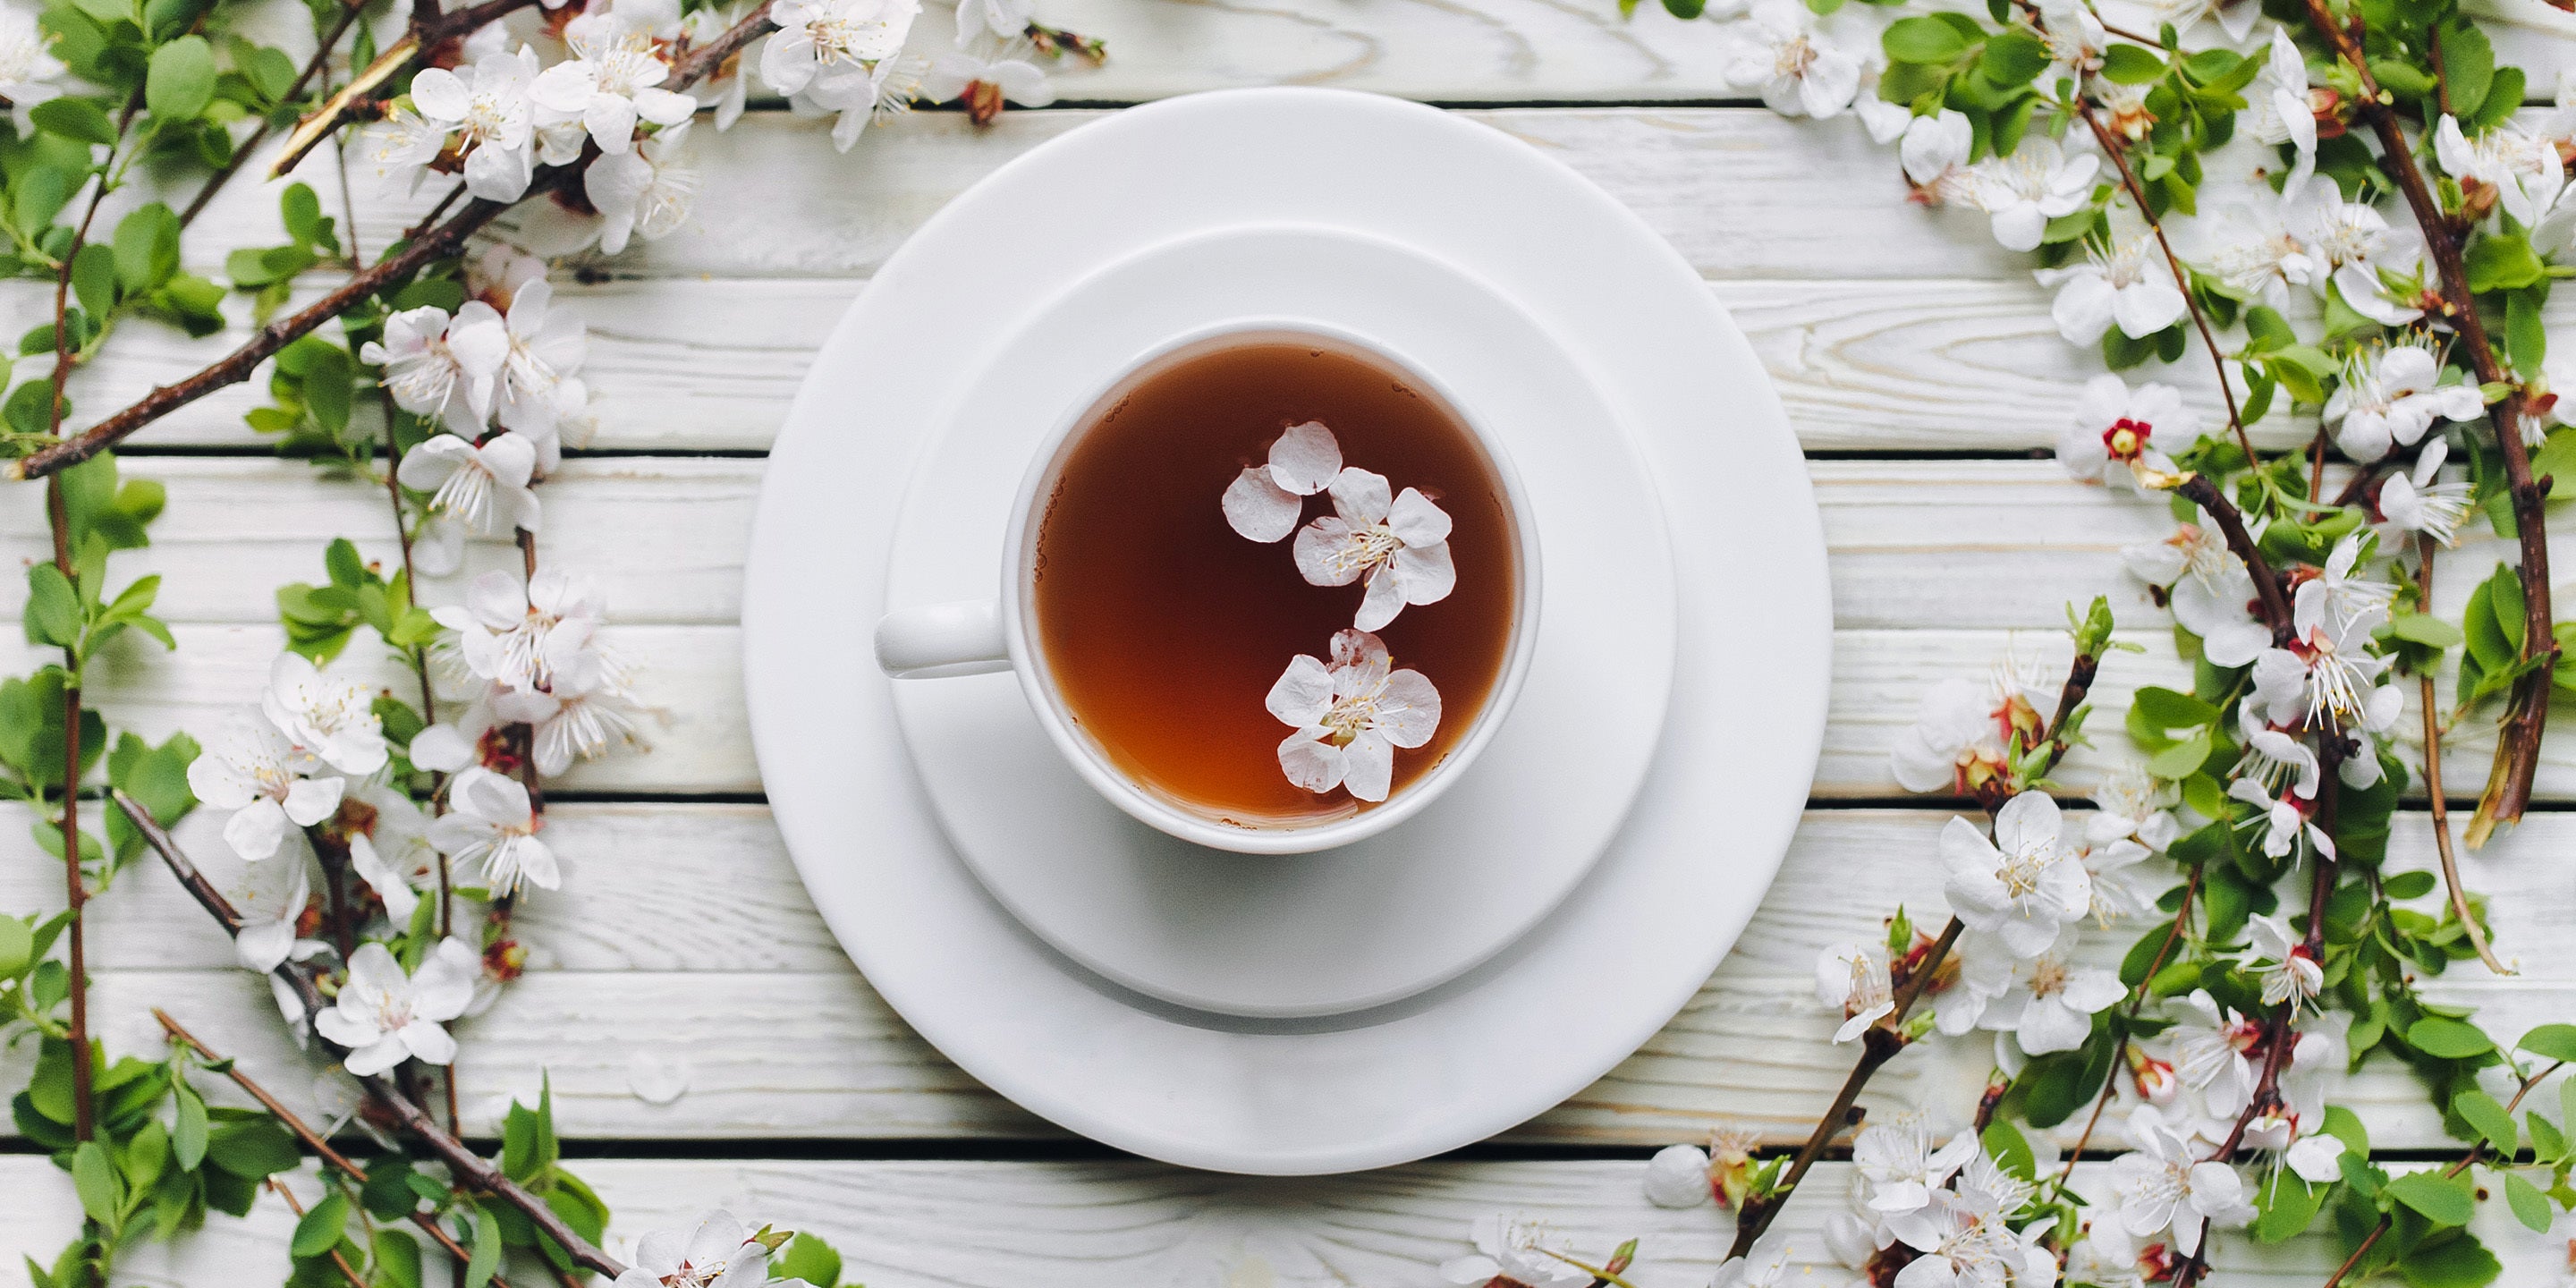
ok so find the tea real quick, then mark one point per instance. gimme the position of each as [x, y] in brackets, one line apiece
[1164, 629]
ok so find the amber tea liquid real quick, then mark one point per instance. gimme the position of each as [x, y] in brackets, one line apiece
[1163, 629]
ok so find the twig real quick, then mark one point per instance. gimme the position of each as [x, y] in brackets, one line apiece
[2454, 1169]
[2508, 788]
[471, 1170]
[349, 11]
[445, 239]
[2441, 808]
[2231, 524]
[1879, 1044]
[305, 1133]
[2137, 998]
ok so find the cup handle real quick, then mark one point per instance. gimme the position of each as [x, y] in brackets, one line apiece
[961, 638]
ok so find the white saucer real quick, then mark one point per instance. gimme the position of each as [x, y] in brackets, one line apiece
[1551, 1013]
[1360, 925]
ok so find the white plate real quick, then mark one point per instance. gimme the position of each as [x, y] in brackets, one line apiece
[1360, 925]
[1552, 1012]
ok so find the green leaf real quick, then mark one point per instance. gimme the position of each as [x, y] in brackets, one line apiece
[94, 1177]
[2549, 1041]
[2457, 1262]
[2425, 629]
[94, 279]
[1922, 40]
[78, 119]
[816, 1262]
[2408, 885]
[2131, 65]
[147, 248]
[2010, 1149]
[485, 1259]
[2448, 1039]
[2183, 758]
[2468, 66]
[188, 1136]
[2014, 57]
[53, 613]
[2480, 1110]
[2346, 1126]
[2502, 261]
[2530, 1206]
[321, 1227]
[252, 1149]
[2526, 339]
[38, 193]
[2165, 709]
[17, 947]
[2443, 1202]
[397, 1259]
[181, 81]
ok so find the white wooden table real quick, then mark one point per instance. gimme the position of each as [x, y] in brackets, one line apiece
[1918, 365]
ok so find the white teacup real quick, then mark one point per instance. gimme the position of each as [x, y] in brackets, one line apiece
[975, 637]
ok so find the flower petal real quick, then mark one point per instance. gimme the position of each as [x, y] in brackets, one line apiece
[1425, 573]
[1310, 762]
[311, 800]
[1417, 520]
[1327, 552]
[256, 830]
[1258, 508]
[1361, 498]
[1369, 769]
[1408, 709]
[1303, 693]
[1385, 599]
[1306, 459]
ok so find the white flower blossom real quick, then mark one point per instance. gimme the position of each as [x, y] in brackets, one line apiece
[327, 716]
[1985, 972]
[1399, 543]
[2252, 252]
[2234, 17]
[546, 345]
[474, 488]
[832, 43]
[1886, 122]
[585, 712]
[2127, 283]
[1351, 716]
[2051, 1003]
[2522, 169]
[2163, 1183]
[2036, 183]
[728, 88]
[1518, 1250]
[2393, 395]
[2211, 1051]
[1799, 72]
[29, 72]
[2116, 892]
[2208, 587]
[268, 782]
[271, 899]
[1764, 1265]
[1853, 979]
[985, 75]
[612, 81]
[2076, 41]
[441, 366]
[2284, 964]
[2130, 806]
[1958, 739]
[2350, 242]
[2278, 111]
[384, 1016]
[718, 1252]
[2022, 885]
[2326, 678]
[1935, 156]
[2113, 433]
[1902, 1169]
[489, 111]
[1677, 1177]
[490, 822]
[522, 638]
[1003, 19]
[1264, 502]
[646, 192]
[2283, 819]
[2417, 500]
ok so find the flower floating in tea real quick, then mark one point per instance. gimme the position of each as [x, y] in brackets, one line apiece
[1350, 716]
[1400, 543]
[1265, 501]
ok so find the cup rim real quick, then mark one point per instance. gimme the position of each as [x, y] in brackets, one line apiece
[1028, 662]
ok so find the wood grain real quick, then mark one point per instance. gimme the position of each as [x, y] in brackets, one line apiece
[1137, 1225]
[827, 1059]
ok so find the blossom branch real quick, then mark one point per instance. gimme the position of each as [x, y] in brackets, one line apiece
[385, 1099]
[347, 1271]
[2461, 1165]
[2508, 788]
[2231, 524]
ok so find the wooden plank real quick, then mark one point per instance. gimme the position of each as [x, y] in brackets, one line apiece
[782, 1039]
[665, 539]
[686, 364]
[1138, 1225]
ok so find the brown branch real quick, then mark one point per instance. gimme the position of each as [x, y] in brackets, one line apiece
[349, 12]
[2441, 807]
[2508, 788]
[75, 888]
[348, 103]
[1879, 1044]
[387, 1100]
[446, 239]
[2231, 524]
[2137, 998]
[2118, 150]
[312, 1139]
[235, 367]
